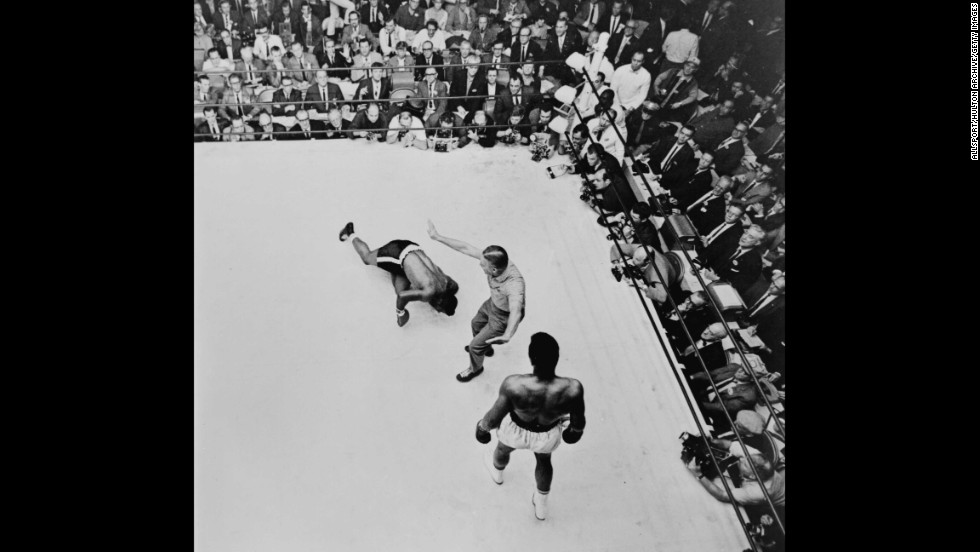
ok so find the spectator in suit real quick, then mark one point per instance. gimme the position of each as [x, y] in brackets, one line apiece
[431, 34]
[370, 123]
[589, 14]
[671, 153]
[202, 43]
[478, 130]
[719, 84]
[544, 8]
[408, 131]
[709, 347]
[401, 61]
[729, 153]
[373, 89]
[562, 44]
[761, 116]
[467, 83]
[516, 94]
[201, 17]
[432, 94]
[238, 131]
[307, 129]
[211, 129]
[301, 65]
[708, 211]
[483, 36]
[226, 20]
[264, 42]
[753, 186]
[688, 183]
[265, 129]
[204, 94]
[437, 13]
[641, 232]
[390, 36]
[493, 91]
[253, 17]
[676, 90]
[711, 127]
[643, 129]
[741, 265]
[740, 96]
[539, 30]
[697, 316]
[457, 57]
[428, 57]
[374, 14]
[771, 144]
[310, 28]
[237, 101]
[496, 55]
[277, 65]
[509, 35]
[613, 193]
[409, 16]
[330, 58]
[286, 21]
[249, 68]
[511, 10]
[322, 96]
[334, 124]
[229, 48]
[363, 60]
[719, 39]
[764, 298]
[461, 19]
[215, 65]
[525, 48]
[613, 22]
[723, 238]
[355, 30]
[517, 130]
[624, 45]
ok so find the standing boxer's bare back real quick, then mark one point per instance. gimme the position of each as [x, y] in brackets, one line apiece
[530, 412]
[413, 274]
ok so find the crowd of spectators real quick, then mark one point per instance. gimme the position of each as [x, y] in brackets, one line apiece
[693, 90]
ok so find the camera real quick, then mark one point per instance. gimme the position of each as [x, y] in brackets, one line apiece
[694, 447]
[510, 139]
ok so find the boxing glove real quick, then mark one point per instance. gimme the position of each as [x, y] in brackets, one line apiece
[571, 436]
[482, 435]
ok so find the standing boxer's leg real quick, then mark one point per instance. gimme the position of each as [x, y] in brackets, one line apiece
[543, 473]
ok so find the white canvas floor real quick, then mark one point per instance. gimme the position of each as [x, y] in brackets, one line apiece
[322, 425]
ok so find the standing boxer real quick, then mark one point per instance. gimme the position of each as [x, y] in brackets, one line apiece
[499, 316]
[414, 275]
[531, 412]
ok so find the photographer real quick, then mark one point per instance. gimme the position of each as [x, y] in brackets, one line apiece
[445, 138]
[370, 123]
[407, 131]
[750, 492]
[518, 129]
[645, 234]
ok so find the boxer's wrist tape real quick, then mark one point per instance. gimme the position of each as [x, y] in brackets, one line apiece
[399, 312]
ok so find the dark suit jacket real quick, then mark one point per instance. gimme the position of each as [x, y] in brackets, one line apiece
[383, 16]
[729, 158]
[281, 26]
[219, 22]
[651, 129]
[458, 88]
[580, 17]
[338, 60]
[708, 214]
[533, 51]
[486, 136]
[203, 134]
[723, 244]
[295, 95]
[606, 20]
[257, 65]
[549, 11]
[236, 48]
[686, 185]
[505, 103]
[301, 30]
[207, 12]
[628, 51]
[365, 91]
[657, 155]
[741, 272]
[276, 127]
[712, 354]
[344, 125]
[317, 132]
[249, 25]
[436, 60]
[314, 101]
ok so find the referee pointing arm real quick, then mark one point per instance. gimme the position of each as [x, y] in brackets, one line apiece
[499, 316]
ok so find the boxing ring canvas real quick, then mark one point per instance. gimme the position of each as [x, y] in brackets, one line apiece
[322, 425]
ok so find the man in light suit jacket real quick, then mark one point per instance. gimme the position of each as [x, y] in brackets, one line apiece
[483, 35]
[237, 100]
[204, 94]
[355, 30]
[315, 100]
[462, 19]
[226, 19]
[752, 186]
[301, 64]
[740, 265]
[249, 64]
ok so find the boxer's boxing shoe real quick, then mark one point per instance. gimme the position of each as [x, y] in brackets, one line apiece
[467, 377]
[489, 352]
[401, 317]
[540, 503]
[495, 474]
[347, 231]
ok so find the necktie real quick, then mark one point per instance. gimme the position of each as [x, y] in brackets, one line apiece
[517, 100]
[377, 88]
[389, 40]
[248, 72]
[432, 94]
[707, 21]
[612, 24]
[323, 94]
[776, 143]
[238, 99]
[372, 14]
[759, 304]
[463, 19]
[214, 132]
[228, 23]
[591, 12]
[670, 156]
[738, 253]
[523, 52]
[255, 17]
[717, 232]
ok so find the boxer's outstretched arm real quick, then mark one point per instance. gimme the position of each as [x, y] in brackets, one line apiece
[576, 411]
[458, 245]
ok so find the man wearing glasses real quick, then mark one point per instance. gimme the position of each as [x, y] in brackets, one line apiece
[237, 101]
[433, 94]
[432, 34]
[428, 57]
[264, 43]
[525, 48]
[623, 45]
[364, 59]
[496, 55]
[482, 36]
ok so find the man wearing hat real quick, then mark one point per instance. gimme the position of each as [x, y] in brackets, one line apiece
[676, 90]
